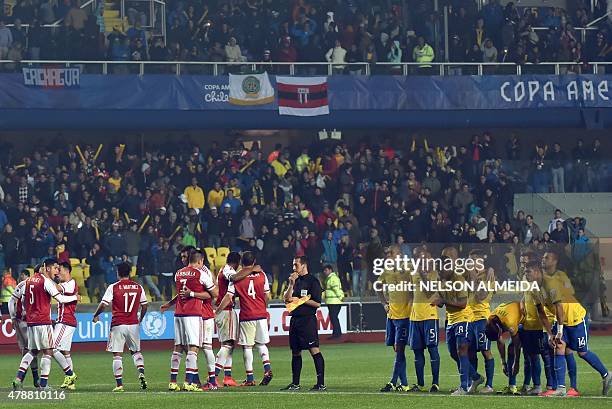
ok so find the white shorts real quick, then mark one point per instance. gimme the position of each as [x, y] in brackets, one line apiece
[120, 335]
[208, 329]
[254, 332]
[62, 337]
[21, 332]
[188, 331]
[227, 325]
[40, 337]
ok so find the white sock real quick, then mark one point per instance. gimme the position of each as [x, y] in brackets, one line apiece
[191, 363]
[222, 357]
[175, 363]
[248, 360]
[118, 368]
[61, 360]
[229, 360]
[264, 353]
[26, 361]
[210, 359]
[138, 361]
[45, 366]
[69, 360]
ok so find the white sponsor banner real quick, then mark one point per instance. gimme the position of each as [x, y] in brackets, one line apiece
[156, 325]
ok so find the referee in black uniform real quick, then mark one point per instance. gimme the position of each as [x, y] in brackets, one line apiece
[303, 333]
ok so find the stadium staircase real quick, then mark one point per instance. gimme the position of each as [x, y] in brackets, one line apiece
[112, 16]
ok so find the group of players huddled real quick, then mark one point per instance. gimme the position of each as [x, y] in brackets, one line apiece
[202, 301]
[547, 325]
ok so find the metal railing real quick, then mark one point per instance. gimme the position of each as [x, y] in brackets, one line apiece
[310, 68]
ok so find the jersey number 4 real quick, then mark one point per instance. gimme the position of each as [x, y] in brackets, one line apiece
[129, 300]
[251, 290]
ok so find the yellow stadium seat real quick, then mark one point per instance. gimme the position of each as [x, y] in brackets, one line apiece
[223, 252]
[211, 253]
[82, 289]
[220, 262]
[85, 269]
[85, 299]
[77, 271]
[74, 262]
[133, 272]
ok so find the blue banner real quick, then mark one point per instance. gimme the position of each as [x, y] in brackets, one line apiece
[346, 93]
[156, 325]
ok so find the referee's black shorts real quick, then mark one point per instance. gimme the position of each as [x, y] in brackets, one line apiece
[303, 333]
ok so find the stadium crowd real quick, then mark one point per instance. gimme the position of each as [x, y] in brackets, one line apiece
[339, 204]
[337, 31]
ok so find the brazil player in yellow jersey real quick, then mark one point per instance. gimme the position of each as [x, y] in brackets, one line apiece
[506, 318]
[571, 330]
[424, 326]
[458, 332]
[479, 302]
[533, 336]
[527, 256]
[397, 303]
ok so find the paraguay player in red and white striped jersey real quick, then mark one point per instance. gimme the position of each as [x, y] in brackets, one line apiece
[227, 318]
[20, 325]
[39, 289]
[66, 322]
[193, 285]
[253, 292]
[124, 296]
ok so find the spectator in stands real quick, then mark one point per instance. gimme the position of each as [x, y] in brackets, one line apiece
[423, 53]
[337, 56]
[6, 39]
[489, 52]
[76, 16]
[194, 195]
[97, 279]
[233, 52]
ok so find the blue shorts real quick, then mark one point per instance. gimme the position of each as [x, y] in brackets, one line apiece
[533, 340]
[577, 336]
[398, 331]
[423, 334]
[481, 342]
[459, 333]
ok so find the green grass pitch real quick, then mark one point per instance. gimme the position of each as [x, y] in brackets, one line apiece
[354, 374]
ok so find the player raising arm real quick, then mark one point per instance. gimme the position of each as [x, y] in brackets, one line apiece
[66, 321]
[226, 318]
[253, 292]
[124, 296]
[192, 286]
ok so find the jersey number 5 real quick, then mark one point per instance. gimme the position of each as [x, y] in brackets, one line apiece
[251, 290]
[129, 300]
[31, 294]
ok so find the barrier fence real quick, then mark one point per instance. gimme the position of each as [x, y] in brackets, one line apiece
[311, 68]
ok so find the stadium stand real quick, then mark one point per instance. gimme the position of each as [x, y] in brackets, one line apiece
[356, 31]
[340, 203]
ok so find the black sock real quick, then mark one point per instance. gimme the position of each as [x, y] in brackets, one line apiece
[296, 368]
[319, 364]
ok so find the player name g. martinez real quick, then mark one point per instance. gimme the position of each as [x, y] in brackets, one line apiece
[460, 285]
